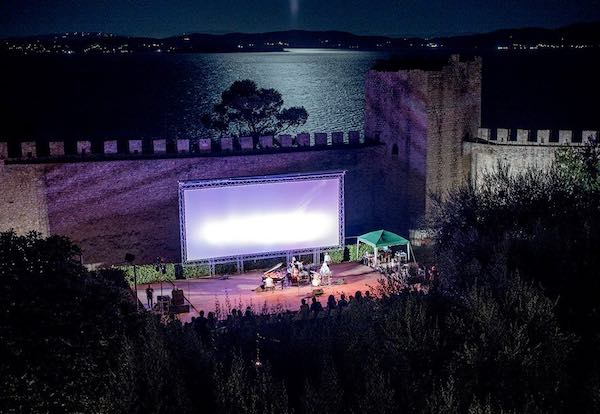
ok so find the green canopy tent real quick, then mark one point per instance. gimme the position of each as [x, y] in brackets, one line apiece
[382, 239]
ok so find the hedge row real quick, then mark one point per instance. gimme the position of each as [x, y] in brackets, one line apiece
[149, 273]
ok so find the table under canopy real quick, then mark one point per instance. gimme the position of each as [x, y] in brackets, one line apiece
[380, 239]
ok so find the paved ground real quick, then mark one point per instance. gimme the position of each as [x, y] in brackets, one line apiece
[238, 290]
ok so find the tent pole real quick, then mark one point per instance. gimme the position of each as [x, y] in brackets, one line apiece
[408, 251]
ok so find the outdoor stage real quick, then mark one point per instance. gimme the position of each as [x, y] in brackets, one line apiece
[238, 290]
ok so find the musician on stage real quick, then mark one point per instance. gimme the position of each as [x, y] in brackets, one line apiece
[325, 273]
[327, 258]
[269, 283]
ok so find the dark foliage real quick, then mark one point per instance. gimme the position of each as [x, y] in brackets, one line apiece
[73, 341]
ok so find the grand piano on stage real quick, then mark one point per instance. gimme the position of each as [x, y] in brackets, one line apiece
[277, 273]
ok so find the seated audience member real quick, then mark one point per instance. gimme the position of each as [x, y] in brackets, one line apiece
[211, 321]
[358, 296]
[303, 309]
[342, 303]
[316, 306]
[331, 304]
[351, 300]
[201, 319]
[231, 317]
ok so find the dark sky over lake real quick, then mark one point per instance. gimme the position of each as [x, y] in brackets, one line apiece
[388, 17]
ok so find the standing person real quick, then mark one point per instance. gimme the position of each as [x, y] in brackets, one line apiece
[331, 303]
[316, 306]
[327, 258]
[150, 296]
[342, 303]
[304, 309]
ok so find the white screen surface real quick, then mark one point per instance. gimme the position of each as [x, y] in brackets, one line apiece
[263, 216]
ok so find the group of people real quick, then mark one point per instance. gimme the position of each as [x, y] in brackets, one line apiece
[386, 258]
[297, 272]
[316, 278]
[332, 306]
[205, 325]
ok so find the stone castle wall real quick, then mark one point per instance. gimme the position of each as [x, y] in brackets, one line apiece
[396, 114]
[112, 207]
[23, 205]
[485, 158]
[454, 96]
[518, 149]
[423, 116]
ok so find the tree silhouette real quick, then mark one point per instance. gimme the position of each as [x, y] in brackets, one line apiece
[246, 110]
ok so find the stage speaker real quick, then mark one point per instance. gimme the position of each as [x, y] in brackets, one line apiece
[179, 272]
[178, 297]
[179, 308]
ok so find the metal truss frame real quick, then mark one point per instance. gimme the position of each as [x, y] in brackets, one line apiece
[240, 181]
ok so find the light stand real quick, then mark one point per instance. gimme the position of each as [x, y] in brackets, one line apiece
[162, 269]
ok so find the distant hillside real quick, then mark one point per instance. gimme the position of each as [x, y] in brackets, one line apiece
[582, 35]
[577, 35]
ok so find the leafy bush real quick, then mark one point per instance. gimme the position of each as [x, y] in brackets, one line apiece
[72, 340]
[149, 273]
[358, 255]
[196, 271]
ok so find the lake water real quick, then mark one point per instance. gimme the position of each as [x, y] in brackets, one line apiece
[152, 95]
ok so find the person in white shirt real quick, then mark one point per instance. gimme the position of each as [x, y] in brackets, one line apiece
[269, 283]
[325, 273]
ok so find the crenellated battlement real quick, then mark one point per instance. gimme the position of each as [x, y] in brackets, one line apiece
[227, 145]
[550, 137]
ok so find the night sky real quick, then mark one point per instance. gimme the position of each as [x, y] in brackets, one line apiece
[388, 17]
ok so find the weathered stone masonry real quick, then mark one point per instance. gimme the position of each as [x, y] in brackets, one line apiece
[111, 207]
[423, 116]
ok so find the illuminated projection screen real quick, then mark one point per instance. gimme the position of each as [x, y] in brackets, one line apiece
[260, 216]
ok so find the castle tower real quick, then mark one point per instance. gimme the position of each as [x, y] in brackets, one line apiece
[423, 111]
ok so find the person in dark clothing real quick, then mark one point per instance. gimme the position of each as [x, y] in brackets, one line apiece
[150, 296]
[331, 304]
[211, 321]
[201, 319]
[304, 309]
[316, 306]
[342, 303]
[199, 323]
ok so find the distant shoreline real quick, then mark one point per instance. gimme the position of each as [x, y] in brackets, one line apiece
[579, 36]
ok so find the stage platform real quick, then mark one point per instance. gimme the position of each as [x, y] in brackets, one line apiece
[238, 290]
